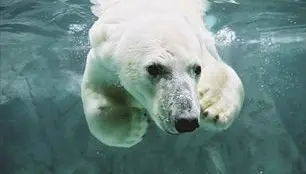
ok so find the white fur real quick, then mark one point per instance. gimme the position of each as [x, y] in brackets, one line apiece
[117, 94]
[179, 7]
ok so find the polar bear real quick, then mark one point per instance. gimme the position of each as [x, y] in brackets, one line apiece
[155, 59]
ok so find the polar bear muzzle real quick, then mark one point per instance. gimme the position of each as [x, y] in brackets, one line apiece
[178, 107]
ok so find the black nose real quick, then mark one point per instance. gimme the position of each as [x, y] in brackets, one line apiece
[186, 124]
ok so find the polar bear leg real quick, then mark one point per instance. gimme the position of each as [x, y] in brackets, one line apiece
[221, 96]
[114, 125]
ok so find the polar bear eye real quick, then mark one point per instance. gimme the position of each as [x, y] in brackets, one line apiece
[155, 69]
[197, 70]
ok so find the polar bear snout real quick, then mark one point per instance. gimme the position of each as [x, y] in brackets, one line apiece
[183, 125]
[177, 106]
[186, 119]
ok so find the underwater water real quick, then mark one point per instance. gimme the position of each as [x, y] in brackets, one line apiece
[43, 46]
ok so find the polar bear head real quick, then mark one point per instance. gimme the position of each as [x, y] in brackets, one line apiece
[159, 65]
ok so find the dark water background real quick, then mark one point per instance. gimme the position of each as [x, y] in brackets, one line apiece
[43, 45]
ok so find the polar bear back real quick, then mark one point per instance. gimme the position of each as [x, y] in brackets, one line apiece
[186, 8]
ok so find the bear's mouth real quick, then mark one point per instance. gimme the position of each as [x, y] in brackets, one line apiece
[171, 133]
[166, 124]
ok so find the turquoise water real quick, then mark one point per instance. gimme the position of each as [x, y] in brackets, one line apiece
[42, 127]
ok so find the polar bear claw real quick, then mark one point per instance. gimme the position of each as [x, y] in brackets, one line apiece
[221, 98]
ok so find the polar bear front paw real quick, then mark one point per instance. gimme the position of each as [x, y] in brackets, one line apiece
[137, 129]
[221, 99]
[217, 114]
[119, 127]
